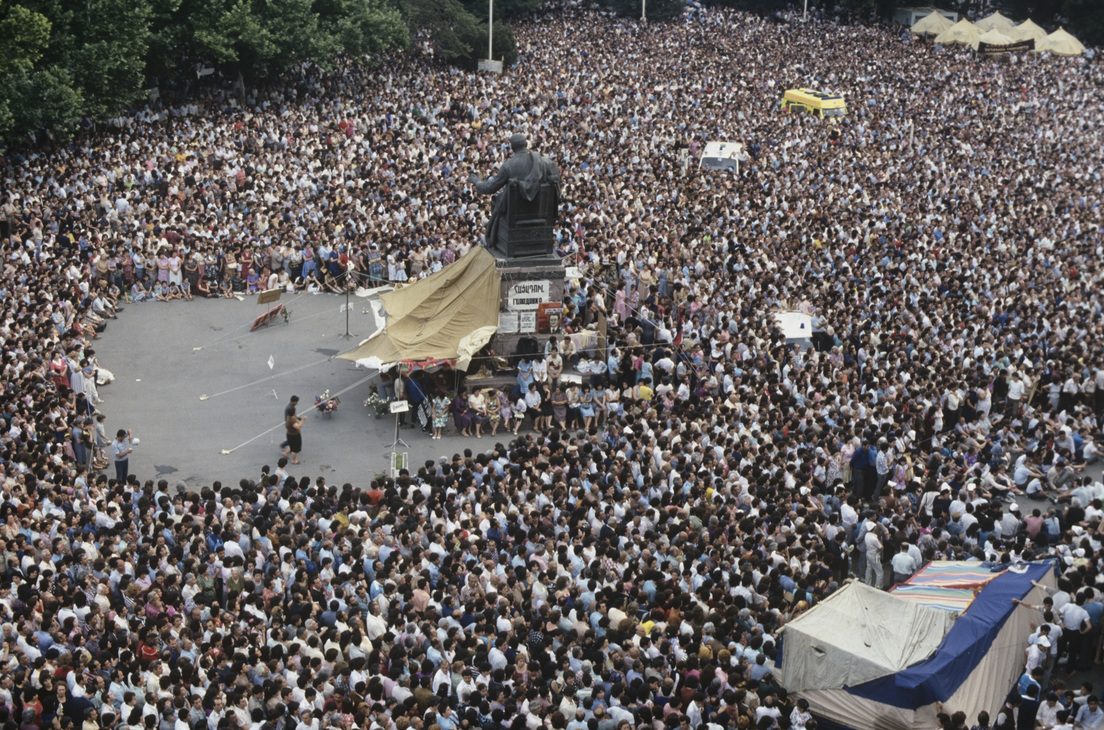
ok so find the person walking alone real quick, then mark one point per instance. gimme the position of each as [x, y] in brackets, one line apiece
[289, 410]
[294, 425]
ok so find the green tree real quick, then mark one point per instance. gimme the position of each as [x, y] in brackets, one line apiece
[264, 36]
[23, 36]
[41, 100]
[168, 38]
[447, 24]
[109, 59]
[92, 63]
[231, 33]
[64, 60]
[361, 27]
[504, 44]
[291, 33]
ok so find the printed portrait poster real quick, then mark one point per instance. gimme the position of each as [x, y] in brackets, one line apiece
[549, 317]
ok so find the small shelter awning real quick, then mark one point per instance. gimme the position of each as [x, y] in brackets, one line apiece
[932, 24]
[996, 21]
[1027, 31]
[857, 635]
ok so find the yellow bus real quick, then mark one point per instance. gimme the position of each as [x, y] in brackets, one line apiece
[814, 102]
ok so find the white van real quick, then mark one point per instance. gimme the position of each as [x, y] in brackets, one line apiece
[722, 156]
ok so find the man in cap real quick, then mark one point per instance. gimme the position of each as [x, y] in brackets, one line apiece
[528, 168]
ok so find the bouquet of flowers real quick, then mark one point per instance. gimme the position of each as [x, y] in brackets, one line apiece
[325, 403]
[377, 403]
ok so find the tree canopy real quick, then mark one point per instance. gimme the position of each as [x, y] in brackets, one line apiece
[62, 61]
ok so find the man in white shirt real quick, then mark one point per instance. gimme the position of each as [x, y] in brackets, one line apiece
[903, 564]
[768, 709]
[1047, 716]
[1038, 653]
[873, 546]
[375, 625]
[1015, 394]
[1076, 625]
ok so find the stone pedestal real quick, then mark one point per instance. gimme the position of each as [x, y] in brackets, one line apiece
[531, 302]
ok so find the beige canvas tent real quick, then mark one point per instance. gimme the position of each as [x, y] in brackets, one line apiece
[1060, 43]
[1027, 31]
[996, 21]
[992, 37]
[932, 24]
[448, 315]
[963, 32]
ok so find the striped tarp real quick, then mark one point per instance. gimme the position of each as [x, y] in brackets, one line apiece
[951, 574]
[945, 584]
[956, 600]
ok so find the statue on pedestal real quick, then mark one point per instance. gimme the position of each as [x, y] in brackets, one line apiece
[524, 210]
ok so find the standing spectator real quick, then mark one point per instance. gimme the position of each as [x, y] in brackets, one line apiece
[904, 565]
[873, 546]
[441, 403]
[1076, 626]
[121, 451]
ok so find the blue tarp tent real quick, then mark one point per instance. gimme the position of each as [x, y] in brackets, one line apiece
[868, 659]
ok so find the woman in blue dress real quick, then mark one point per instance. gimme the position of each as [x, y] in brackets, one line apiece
[586, 406]
[525, 375]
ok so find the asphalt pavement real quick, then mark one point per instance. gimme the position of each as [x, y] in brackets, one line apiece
[192, 383]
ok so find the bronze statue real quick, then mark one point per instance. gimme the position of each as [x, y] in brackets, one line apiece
[535, 176]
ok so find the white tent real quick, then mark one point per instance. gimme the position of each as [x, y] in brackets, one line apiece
[1060, 43]
[996, 21]
[868, 659]
[932, 24]
[1027, 31]
[962, 32]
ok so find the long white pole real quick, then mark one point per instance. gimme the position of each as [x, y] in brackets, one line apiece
[643, 9]
[490, 32]
[805, 14]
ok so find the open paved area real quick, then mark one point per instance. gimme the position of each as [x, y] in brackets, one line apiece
[192, 382]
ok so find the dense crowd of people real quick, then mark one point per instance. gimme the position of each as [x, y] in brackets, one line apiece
[629, 560]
